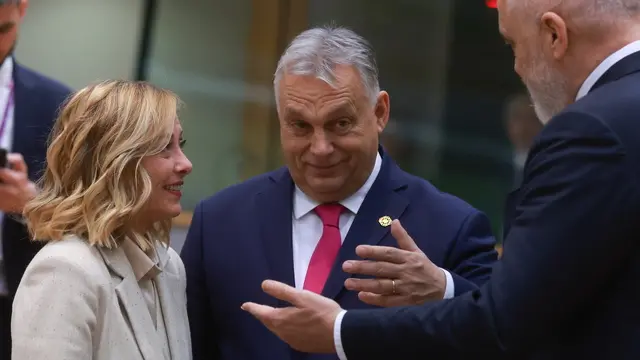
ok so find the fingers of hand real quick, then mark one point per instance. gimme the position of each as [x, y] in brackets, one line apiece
[381, 300]
[261, 312]
[7, 192]
[405, 241]
[282, 291]
[375, 286]
[17, 163]
[372, 268]
[383, 253]
[15, 190]
[273, 319]
[9, 198]
[10, 177]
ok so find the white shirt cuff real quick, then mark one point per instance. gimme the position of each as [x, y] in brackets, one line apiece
[449, 292]
[450, 288]
[337, 336]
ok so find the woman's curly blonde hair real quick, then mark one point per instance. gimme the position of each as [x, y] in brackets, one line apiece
[94, 185]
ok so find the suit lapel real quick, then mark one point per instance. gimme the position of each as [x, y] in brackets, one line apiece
[169, 287]
[274, 207]
[133, 302]
[26, 122]
[381, 200]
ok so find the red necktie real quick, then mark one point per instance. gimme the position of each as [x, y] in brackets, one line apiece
[327, 249]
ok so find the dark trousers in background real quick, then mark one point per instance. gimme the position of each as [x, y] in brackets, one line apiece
[5, 328]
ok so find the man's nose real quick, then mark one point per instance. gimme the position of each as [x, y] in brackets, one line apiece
[321, 144]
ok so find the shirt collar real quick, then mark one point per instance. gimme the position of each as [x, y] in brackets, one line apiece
[144, 265]
[6, 72]
[303, 204]
[605, 65]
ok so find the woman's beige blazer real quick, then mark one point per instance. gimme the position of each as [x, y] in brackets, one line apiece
[77, 302]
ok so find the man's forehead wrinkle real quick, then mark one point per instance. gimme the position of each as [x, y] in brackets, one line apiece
[341, 107]
[341, 91]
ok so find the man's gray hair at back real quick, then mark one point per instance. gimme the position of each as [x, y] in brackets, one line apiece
[317, 52]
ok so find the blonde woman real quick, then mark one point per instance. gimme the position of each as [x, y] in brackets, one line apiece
[107, 286]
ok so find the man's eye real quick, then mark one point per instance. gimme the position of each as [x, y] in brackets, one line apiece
[299, 124]
[343, 123]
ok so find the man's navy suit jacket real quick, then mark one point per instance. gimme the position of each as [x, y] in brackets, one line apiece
[568, 284]
[242, 236]
[37, 102]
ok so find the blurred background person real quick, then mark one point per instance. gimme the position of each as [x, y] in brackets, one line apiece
[522, 126]
[28, 105]
[107, 286]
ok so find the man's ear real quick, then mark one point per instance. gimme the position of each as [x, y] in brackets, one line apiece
[554, 30]
[382, 110]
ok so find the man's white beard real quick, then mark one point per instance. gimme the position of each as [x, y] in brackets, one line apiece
[548, 92]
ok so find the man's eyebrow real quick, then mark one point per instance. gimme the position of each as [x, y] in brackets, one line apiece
[292, 112]
[346, 109]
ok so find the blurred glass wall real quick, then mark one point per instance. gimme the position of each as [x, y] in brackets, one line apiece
[448, 73]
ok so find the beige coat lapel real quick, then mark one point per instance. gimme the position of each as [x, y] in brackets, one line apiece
[132, 300]
[176, 323]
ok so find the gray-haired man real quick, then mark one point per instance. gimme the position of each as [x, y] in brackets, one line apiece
[310, 223]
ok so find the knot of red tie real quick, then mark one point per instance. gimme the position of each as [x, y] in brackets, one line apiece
[329, 214]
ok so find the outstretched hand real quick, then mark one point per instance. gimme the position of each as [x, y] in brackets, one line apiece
[306, 326]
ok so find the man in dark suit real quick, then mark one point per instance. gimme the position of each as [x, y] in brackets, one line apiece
[340, 189]
[567, 284]
[28, 106]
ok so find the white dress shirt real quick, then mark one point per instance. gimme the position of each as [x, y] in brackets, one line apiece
[307, 226]
[307, 230]
[6, 141]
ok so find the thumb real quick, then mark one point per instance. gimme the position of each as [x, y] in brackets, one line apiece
[405, 242]
[261, 312]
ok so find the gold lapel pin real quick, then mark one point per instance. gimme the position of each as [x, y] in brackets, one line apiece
[385, 221]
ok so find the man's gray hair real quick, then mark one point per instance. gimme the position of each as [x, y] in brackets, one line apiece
[317, 52]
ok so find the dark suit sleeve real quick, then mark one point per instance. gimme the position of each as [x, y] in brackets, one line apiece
[203, 338]
[472, 255]
[569, 237]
